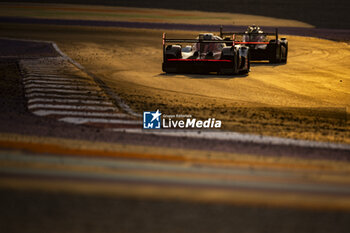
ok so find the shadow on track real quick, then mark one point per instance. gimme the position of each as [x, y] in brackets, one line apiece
[201, 76]
[218, 76]
[265, 63]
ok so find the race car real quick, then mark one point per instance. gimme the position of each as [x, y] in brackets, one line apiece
[207, 53]
[261, 48]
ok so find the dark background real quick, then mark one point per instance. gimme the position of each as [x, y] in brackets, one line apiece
[320, 13]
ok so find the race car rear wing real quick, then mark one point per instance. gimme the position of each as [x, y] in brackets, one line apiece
[222, 34]
[199, 40]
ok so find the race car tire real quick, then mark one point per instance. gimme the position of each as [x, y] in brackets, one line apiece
[173, 52]
[276, 55]
[248, 66]
[230, 54]
[284, 58]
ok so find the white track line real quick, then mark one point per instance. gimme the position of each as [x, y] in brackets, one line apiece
[51, 95]
[29, 86]
[238, 137]
[41, 70]
[75, 107]
[31, 90]
[57, 82]
[79, 120]
[51, 74]
[120, 102]
[69, 101]
[79, 113]
[58, 78]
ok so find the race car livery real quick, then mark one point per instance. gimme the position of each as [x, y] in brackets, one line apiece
[204, 54]
[274, 50]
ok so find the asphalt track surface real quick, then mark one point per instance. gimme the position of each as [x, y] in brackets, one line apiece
[186, 191]
[132, 196]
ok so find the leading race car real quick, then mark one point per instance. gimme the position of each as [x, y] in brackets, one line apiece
[261, 48]
[207, 53]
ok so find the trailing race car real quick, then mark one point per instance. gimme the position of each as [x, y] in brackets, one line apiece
[261, 48]
[207, 53]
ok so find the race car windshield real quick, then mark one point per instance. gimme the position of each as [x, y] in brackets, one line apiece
[254, 38]
[206, 47]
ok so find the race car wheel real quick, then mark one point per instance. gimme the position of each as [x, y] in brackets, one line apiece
[230, 54]
[173, 52]
[247, 60]
[284, 58]
[277, 55]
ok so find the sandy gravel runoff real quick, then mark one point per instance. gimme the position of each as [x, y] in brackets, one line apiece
[307, 98]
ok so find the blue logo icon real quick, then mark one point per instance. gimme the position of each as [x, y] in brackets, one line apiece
[151, 120]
